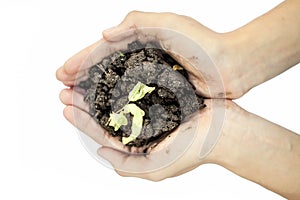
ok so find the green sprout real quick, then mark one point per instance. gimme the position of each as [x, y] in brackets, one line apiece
[121, 54]
[119, 119]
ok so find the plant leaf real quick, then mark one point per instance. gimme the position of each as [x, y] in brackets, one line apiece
[134, 110]
[139, 91]
[117, 120]
[136, 128]
[137, 122]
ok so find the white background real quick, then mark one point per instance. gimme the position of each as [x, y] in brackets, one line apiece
[41, 155]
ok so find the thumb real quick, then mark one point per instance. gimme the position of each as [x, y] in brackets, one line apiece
[124, 164]
[114, 157]
[132, 22]
[118, 33]
[124, 29]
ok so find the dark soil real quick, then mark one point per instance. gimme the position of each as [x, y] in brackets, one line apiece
[111, 80]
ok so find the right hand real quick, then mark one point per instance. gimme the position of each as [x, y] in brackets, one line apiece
[205, 54]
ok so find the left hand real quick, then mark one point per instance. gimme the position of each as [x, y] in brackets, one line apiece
[186, 148]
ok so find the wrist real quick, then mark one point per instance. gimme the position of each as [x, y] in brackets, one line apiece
[223, 49]
[227, 151]
[262, 49]
[259, 150]
[236, 64]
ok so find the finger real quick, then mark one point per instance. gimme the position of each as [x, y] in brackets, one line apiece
[128, 165]
[71, 68]
[159, 160]
[132, 22]
[72, 65]
[137, 20]
[124, 164]
[114, 157]
[73, 98]
[63, 76]
[70, 79]
[69, 83]
[93, 55]
[184, 43]
[65, 96]
[76, 68]
[86, 124]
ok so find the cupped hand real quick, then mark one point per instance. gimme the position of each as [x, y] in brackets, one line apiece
[184, 149]
[209, 57]
[187, 147]
[202, 52]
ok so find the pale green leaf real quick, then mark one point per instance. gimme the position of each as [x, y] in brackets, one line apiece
[139, 91]
[134, 110]
[126, 140]
[117, 120]
[136, 128]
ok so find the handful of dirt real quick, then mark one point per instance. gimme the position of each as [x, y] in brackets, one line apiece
[170, 100]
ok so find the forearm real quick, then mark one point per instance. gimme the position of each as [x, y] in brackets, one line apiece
[266, 46]
[260, 151]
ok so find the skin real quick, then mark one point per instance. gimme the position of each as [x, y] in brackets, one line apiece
[247, 145]
[260, 151]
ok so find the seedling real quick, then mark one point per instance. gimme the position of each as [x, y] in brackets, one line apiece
[119, 119]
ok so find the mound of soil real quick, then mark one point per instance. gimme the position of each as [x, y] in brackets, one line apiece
[111, 80]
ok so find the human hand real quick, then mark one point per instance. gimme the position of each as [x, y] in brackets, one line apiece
[199, 50]
[189, 146]
[186, 148]
[209, 57]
